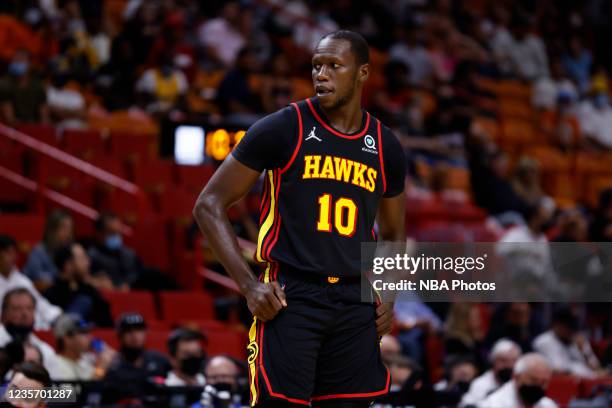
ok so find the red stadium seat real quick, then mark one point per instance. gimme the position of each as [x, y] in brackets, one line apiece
[132, 301]
[562, 388]
[44, 133]
[84, 143]
[157, 340]
[227, 342]
[132, 147]
[46, 336]
[588, 386]
[178, 306]
[193, 178]
[150, 241]
[108, 336]
[26, 230]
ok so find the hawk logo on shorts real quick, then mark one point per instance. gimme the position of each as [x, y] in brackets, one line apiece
[333, 279]
[253, 350]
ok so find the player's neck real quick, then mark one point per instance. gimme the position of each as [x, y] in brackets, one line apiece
[347, 118]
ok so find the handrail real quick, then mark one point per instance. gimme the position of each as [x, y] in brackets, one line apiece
[56, 197]
[216, 277]
[81, 165]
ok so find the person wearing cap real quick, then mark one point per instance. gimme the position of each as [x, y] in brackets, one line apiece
[76, 361]
[565, 348]
[134, 364]
[187, 356]
[503, 357]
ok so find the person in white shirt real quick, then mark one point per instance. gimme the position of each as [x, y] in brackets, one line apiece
[565, 348]
[77, 358]
[527, 389]
[595, 117]
[504, 355]
[187, 357]
[11, 278]
[18, 307]
[221, 37]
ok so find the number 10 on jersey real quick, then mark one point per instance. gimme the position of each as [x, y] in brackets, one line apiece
[344, 215]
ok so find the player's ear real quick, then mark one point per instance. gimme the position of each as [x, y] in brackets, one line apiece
[364, 72]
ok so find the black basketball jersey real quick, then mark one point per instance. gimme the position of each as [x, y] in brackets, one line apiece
[320, 199]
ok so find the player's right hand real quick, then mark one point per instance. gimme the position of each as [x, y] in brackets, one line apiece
[265, 300]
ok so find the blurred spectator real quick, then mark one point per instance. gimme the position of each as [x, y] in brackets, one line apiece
[463, 332]
[187, 355]
[59, 231]
[77, 359]
[501, 42]
[32, 354]
[595, 116]
[504, 355]
[392, 103]
[408, 386]
[66, 103]
[561, 125]
[526, 181]
[276, 87]
[22, 93]
[389, 347]
[565, 348]
[411, 53]
[220, 36]
[600, 229]
[235, 97]
[163, 87]
[222, 372]
[310, 26]
[489, 180]
[577, 62]
[172, 44]
[18, 307]
[415, 321]
[28, 376]
[11, 278]
[512, 321]
[109, 256]
[527, 388]
[11, 354]
[547, 90]
[134, 365]
[459, 372]
[572, 227]
[527, 52]
[72, 291]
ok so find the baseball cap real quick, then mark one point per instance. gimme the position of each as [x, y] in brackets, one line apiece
[129, 321]
[69, 324]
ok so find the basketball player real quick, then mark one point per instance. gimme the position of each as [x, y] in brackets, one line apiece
[330, 169]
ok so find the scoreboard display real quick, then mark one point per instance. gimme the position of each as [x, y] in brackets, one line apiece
[196, 144]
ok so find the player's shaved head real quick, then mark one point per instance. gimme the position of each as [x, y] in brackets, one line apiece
[359, 46]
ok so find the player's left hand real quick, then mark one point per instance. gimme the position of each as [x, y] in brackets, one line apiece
[384, 318]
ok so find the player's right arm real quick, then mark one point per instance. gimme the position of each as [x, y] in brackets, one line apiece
[267, 145]
[232, 181]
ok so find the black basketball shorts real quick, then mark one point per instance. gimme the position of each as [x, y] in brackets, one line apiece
[322, 346]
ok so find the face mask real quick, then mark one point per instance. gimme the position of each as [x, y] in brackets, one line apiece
[132, 354]
[114, 241]
[224, 387]
[18, 332]
[18, 68]
[531, 394]
[192, 365]
[504, 375]
[463, 386]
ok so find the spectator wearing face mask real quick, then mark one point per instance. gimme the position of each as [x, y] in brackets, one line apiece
[18, 306]
[408, 387]
[504, 355]
[22, 94]
[460, 371]
[222, 372]
[187, 355]
[111, 258]
[134, 364]
[527, 389]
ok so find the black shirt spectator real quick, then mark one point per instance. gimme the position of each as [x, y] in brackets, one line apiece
[71, 291]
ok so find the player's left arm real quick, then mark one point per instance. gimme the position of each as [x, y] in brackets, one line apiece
[391, 215]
